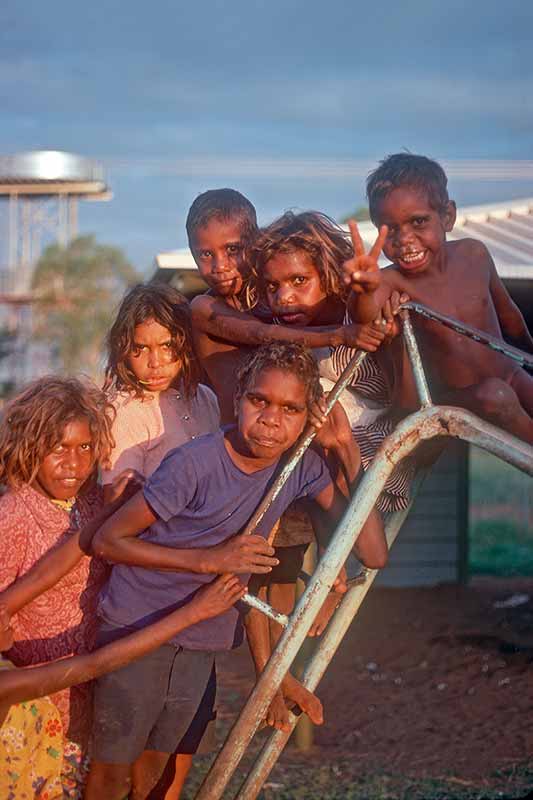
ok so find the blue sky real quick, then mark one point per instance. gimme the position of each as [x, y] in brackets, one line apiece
[290, 101]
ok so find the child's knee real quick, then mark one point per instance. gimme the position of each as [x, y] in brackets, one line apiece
[496, 399]
[112, 781]
[377, 560]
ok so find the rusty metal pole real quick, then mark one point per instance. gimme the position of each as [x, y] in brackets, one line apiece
[315, 669]
[425, 424]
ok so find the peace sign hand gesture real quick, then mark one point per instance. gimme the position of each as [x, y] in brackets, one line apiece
[362, 271]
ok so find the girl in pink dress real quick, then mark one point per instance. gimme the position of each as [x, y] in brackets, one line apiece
[152, 379]
[52, 436]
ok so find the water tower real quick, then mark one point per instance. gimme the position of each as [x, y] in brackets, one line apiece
[39, 194]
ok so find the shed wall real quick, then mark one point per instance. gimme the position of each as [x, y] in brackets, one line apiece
[431, 547]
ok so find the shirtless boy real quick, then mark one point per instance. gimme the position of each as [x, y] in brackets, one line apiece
[408, 194]
[221, 227]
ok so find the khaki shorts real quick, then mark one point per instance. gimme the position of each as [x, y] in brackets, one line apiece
[165, 701]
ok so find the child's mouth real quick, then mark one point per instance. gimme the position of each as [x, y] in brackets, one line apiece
[412, 259]
[294, 318]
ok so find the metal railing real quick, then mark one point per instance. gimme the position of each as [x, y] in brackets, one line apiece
[426, 424]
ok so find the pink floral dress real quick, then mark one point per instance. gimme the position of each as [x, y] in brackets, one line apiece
[62, 621]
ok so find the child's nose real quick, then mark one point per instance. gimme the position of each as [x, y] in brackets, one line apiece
[405, 235]
[271, 416]
[71, 460]
[153, 359]
[220, 262]
[285, 295]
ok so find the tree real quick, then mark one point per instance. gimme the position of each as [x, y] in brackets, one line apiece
[361, 214]
[76, 290]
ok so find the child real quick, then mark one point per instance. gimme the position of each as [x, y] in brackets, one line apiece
[298, 263]
[152, 379]
[30, 759]
[201, 494]
[221, 228]
[51, 437]
[408, 194]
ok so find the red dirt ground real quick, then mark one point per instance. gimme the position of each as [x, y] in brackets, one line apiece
[427, 683]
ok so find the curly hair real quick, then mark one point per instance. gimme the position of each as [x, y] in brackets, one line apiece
[169, 308]
[33, 423]
[407, 169]
[222, 204]
[326, 244]
[293, 358]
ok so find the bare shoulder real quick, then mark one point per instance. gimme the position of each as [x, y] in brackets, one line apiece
[471, 250]
[392, 277]
[203, 304]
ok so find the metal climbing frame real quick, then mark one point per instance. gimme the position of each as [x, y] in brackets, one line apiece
[429, 422]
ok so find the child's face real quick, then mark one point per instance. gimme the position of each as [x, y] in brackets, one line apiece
[293, 288]
[416, 230]
[272, 413]
[218, 249]
[153, 358]
[64, 470]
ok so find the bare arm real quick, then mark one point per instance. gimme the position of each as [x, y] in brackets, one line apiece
[510, 317]
[336, 436]
[211, 315]
[60, 560]
[117, 541]
[22, 684]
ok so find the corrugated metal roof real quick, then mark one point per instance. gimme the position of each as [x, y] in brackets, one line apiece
[505, 228]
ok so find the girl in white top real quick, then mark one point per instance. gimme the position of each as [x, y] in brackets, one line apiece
[152, 380]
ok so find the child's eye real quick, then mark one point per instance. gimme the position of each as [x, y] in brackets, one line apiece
[205, 254]
[299, 280]
[87, 447]
[271, 287]
[259, 402]
[290, 410]
[233, 249]
[418, 221]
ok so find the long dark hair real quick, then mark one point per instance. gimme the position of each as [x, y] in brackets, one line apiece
[169, 308]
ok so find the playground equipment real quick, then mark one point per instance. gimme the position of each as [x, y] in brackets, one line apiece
[429, 422]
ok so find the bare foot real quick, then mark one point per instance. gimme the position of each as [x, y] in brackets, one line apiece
[278, 714]
[326, 612]
[303, 698]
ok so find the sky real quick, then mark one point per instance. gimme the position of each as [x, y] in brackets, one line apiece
[290, 101]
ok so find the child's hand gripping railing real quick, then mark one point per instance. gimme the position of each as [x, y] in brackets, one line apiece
[427, 423]
[291, 463]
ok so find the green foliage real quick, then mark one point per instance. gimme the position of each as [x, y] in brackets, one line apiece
[500, 547]
[501, 507]
[492, 481]
[77, 289]
[361, 214]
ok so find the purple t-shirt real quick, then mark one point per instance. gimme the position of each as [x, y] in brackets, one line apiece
[201, 498]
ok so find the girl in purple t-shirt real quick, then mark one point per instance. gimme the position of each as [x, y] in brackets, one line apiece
[179, 529]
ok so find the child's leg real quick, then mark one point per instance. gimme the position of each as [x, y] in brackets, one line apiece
[129, 720]
[281, 596]
[497, 401]
[371, 545]
[108, 781]
[522, 383]
[160, 775]
[181, 768]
